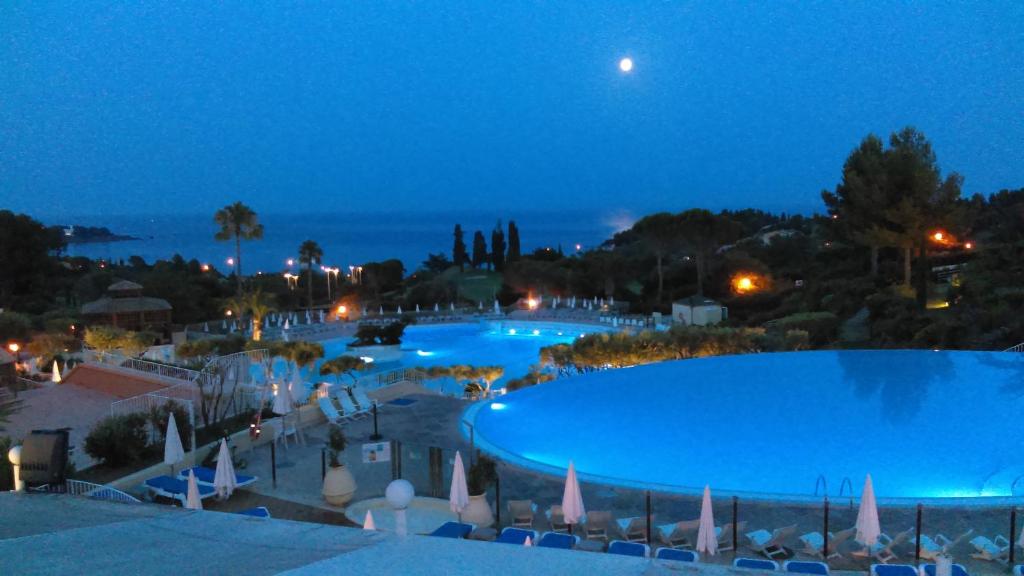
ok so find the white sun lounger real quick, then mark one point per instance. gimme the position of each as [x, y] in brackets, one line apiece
[349, 407]
[771, 544]
[328, 409]
[994, 550]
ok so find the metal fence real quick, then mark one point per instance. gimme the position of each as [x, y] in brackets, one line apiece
[159, 370]
[89, 490]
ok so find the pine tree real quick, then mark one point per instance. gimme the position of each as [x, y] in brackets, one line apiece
[479, 249]
[459, 256]
[513, 242]
[498, 247]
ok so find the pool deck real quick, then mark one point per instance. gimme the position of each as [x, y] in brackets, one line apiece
[45, 535]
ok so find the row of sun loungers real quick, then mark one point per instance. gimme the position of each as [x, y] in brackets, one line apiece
[176, 488]
[354, 402]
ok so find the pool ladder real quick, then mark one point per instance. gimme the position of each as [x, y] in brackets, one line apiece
[821, 487]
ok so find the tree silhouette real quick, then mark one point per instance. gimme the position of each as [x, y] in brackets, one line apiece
[237, 222]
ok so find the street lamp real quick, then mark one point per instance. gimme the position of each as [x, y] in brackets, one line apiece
[290, 278]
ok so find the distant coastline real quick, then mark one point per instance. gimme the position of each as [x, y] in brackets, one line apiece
[90, 234]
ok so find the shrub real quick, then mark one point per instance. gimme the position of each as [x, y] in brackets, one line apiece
[157, 418]
[14, 326]
[118, 440]
[482, 474]
[336, 443]
[821, 327]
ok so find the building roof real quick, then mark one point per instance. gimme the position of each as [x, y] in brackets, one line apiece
[108, 305]
[124, 285]
[696, 300]
[112, 382]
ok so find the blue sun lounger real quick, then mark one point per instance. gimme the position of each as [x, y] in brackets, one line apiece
[958, 570]
[806, 567]
[893, 570]
[624, 548]
[257, 512]
[755, 563]
[175, 489]
[511, 535]
[558, 540]
[453, 530]
[206, 475]
[676, 554]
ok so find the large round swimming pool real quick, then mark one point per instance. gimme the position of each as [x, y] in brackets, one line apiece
[924, 424]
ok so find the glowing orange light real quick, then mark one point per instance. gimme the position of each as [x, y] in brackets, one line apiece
[341, 310]
[205, 267]
[531, 304]
[14, 347]
[938, 236]
[969, 245]
[228, 313]
[745, 283]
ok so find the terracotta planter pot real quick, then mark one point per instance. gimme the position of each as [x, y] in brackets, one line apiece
[478, 512]
[339, 486]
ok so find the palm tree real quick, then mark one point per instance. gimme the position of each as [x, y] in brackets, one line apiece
[237, 221]
[310, 253]
[257, 304]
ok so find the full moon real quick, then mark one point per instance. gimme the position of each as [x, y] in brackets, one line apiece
[626, 64]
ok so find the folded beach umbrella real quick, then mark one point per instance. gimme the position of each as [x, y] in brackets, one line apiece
[192, 500]
[174, 452]
[707, 541]
[368, 523]
[458, 496]
[572, 498]
[868, 528]
[224, 479]
[283, 400]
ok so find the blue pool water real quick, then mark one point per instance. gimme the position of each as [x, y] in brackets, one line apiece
[514, 345]
[924, 424]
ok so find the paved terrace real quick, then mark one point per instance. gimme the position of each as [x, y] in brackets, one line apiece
[43, 535]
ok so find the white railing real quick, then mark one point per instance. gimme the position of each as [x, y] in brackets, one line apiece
[1017, 348]
[382, 379]
[162, 371]
[90, 490]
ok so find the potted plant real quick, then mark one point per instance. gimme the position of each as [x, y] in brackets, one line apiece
[481, 476]
[339, 485]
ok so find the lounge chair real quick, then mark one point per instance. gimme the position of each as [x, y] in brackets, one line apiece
[958, 570]
[932, 547]
[883, 549]
[453, 530]
[596, 526]
[771, 544]
[1018, 570]
[676, 554]
[633, 529]
[328, 409]
[257, 512]
[629, 549]
[805, 567]
[814, 542]
[679, 535]
[725, 542]
[349, 407]
[513, 535]
[362, 399]
[756, 564]
[893, 570]
[175, 489]
[555, 518]
[995, 550]
[206, 476]
[557, 540]
[522, 512]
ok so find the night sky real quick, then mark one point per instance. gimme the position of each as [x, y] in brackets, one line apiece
[371, 106]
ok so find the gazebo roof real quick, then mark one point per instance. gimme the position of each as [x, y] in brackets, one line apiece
[107, 305]
[123, 286]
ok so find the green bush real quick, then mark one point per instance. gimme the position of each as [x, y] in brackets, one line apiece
[482, 474]
[119, 440]
[157, 418]
[14, 326]
[821, 327]
[336, 443]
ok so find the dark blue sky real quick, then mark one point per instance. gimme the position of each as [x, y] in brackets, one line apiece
[472, 105]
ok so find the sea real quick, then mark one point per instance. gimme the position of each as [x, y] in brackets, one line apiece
[347, 239]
